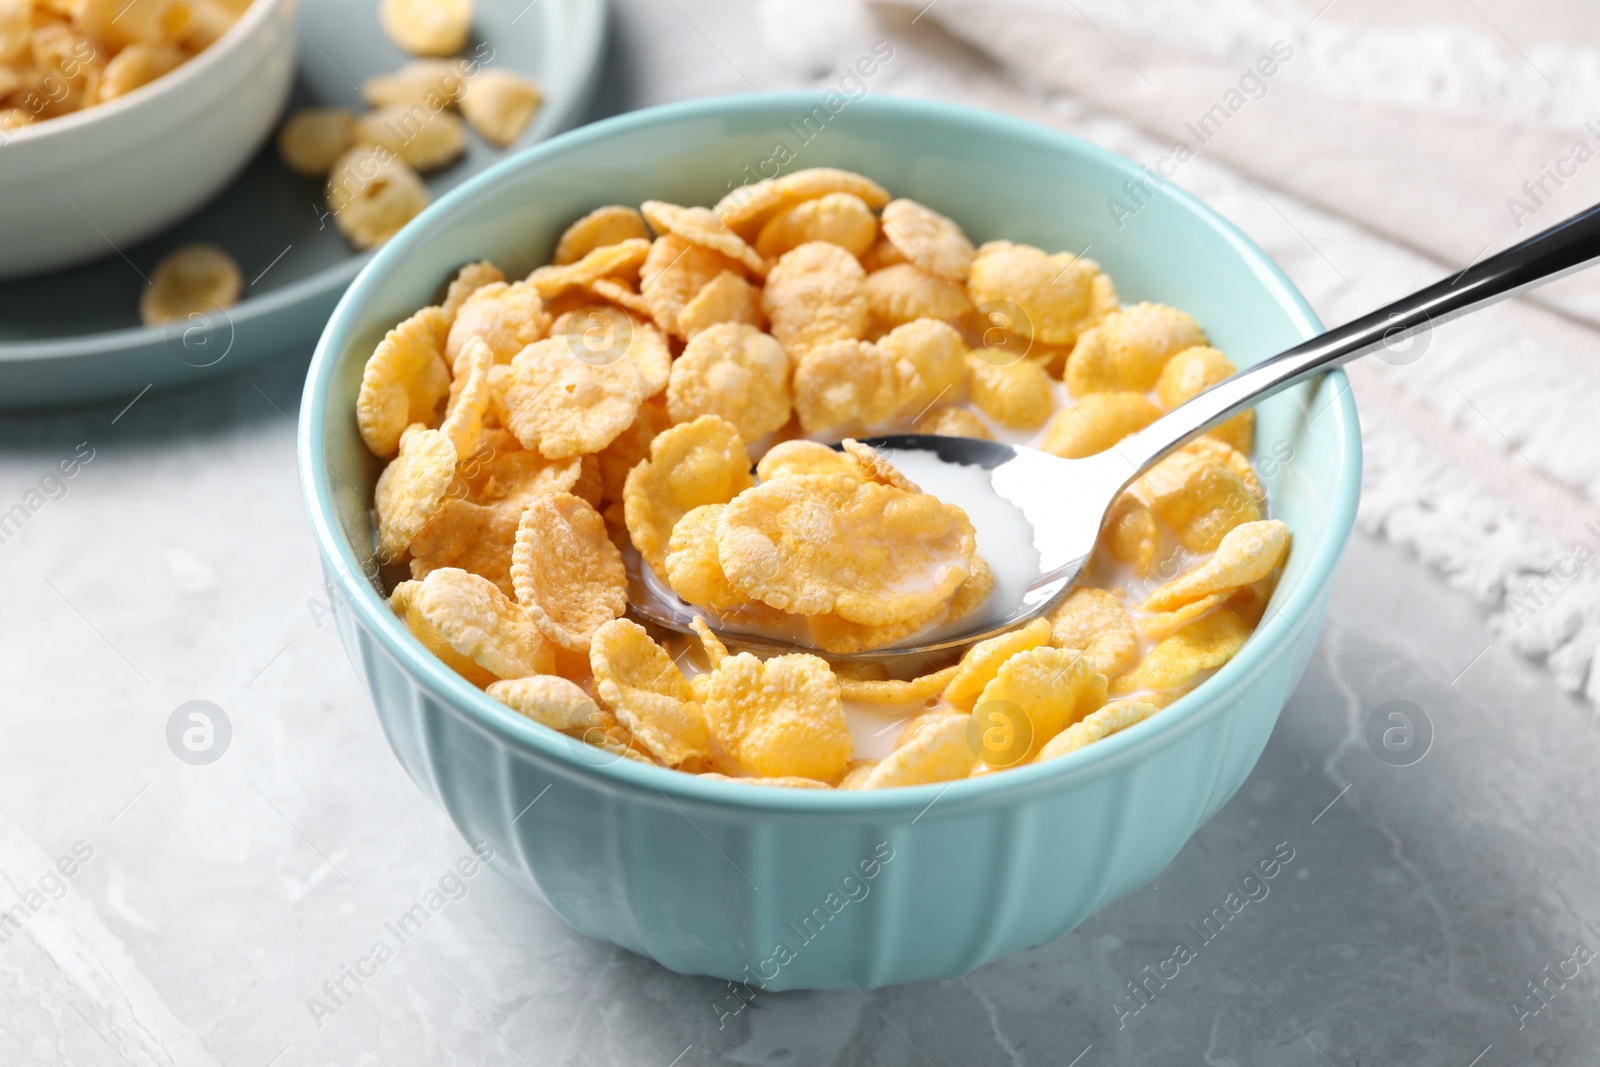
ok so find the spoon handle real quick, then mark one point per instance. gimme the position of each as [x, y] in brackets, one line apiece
[1566, 247]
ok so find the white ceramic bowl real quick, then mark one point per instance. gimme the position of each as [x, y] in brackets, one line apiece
[90, 183]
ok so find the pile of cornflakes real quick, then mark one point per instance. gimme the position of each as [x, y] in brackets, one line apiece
[61, 56]
[546, 436]
[373, 162]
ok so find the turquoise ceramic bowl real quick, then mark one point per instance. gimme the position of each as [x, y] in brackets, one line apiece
[784, 888]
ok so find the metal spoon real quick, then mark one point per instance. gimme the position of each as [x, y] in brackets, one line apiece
[1065, 501]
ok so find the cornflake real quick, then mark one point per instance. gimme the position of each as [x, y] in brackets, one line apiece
[427, 27]
[780, 718]
[195, 279]
[639, 683]
[815, 294]
[314, 138]
[500, 104]
[373, 193]
[610, 225]
[550, 436]
[735, 371]
[694, 463]
[567, 574]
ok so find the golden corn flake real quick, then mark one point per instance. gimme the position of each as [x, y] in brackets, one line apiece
[930, 359]
[562, 406]
[1200, 500]
[735, 371]
[971, 593]
[713, 648]
[620, 293]
[503, 471]
[673, 273]
[638, 681]
[469, 401]
[567, 574]
[314, 137]
[725, 298]
[940, 752]
[1016, 395]
[693, 569]
[1166, 623]
[549, 701]
[404, 603]
[372, 194]
[895, 691]
[815, 294]
[1097, 422]
[982, 661]
[1052, 688]
[482, 624]
[1131, 534]
[468, 280]
[747, 208]
[882, 254]
[840, 636]
[1203, 645]
[954, 422]
[1057, 297]
[879, 556]
[905, 292]
[1193, 371]
[609, 225]
[195, 279]
[438, 83]
[877, 468]
[500, 104]
[928, 239]
[427, 27]
[843, 219]
[1248, 553]
[693, 463]
[602, 262]
[783, 717]
[1095, 623]
[426, 139]
[845, 385]
[411, 488]
[802, 458]
[602, 334]
[1097, 725]
[1212, 449]
[468, 536]
[1129, 349]
[507, 318]
[699, 226]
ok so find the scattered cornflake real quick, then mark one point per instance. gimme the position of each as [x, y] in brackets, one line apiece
[427, 27]
[373, 193]
[196, 279]
[500, 104]
[314, 138]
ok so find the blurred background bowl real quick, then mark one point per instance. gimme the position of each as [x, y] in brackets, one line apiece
[139, 162]
[805, 888]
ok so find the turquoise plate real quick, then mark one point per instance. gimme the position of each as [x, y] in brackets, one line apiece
[801, 888]
[74, 335]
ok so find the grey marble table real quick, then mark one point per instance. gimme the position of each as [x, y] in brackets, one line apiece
[1432, 913]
